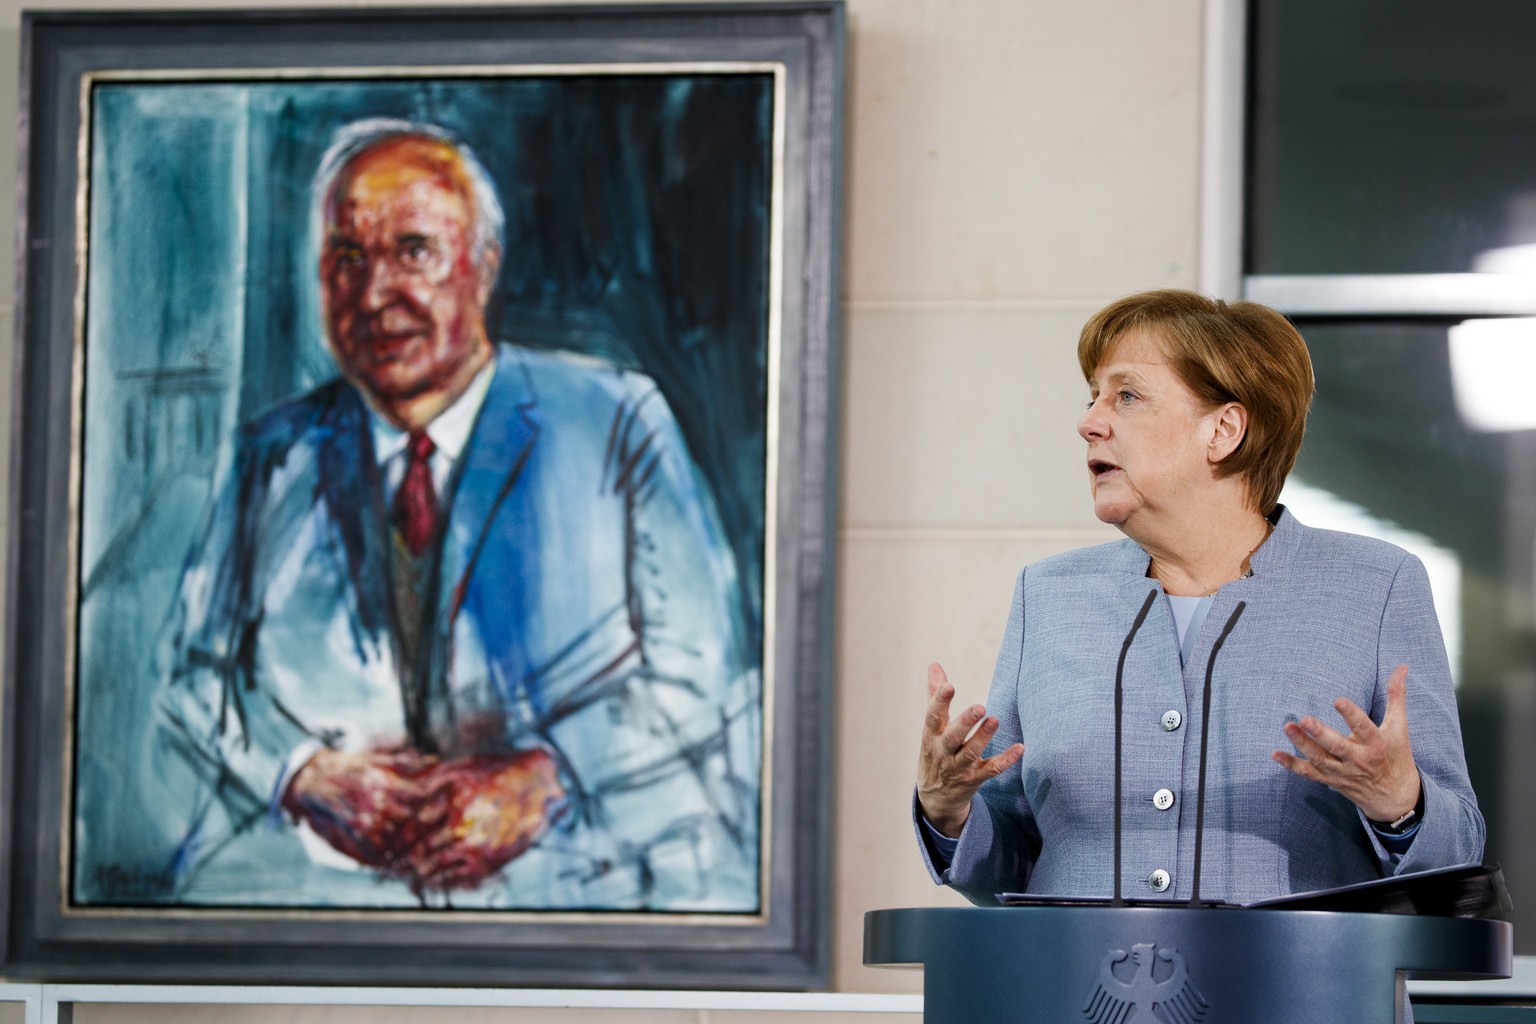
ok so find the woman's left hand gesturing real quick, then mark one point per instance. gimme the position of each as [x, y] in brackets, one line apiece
[1372, 765]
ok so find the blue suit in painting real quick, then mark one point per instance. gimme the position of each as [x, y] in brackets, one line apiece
[585, 604]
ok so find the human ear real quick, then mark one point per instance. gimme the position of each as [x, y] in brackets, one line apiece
[490, 266]
[1229, 425]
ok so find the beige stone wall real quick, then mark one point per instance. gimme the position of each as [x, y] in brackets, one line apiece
[1012, 165]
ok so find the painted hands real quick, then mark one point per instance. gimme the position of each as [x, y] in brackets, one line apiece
[492, 807]
[436, 825]
[1373, 766]
[950, 768]
[363, 804]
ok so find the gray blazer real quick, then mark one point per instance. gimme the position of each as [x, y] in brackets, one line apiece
[1328, 615]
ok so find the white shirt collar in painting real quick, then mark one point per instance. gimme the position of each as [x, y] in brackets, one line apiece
[449, 433]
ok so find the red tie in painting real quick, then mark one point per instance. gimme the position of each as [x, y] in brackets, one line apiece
[415, 511]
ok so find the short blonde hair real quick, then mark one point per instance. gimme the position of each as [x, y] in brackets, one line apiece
[1224, 352]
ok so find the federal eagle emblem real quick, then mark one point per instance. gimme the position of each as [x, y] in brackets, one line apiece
[1153, 985]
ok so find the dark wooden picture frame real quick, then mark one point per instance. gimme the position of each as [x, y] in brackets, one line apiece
[716, 288]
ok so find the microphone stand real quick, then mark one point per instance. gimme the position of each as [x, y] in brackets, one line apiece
[1125, 648]
[1205, 738]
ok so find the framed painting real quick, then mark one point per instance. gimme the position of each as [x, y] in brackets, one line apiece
[421, 525]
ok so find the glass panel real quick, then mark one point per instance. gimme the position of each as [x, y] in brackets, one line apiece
[1398, 446]
[1391, 137]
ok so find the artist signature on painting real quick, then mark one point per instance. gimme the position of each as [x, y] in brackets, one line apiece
[118, 881]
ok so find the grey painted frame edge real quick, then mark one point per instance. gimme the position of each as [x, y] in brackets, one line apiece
[790, 949]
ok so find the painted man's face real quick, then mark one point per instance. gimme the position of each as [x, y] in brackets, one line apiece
[404, 296]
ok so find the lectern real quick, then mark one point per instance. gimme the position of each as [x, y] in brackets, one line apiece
[1176, 965]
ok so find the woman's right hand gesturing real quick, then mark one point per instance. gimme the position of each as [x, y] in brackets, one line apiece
[950, 768]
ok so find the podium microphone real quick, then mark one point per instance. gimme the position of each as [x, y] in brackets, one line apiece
[1205, 739]
[1125, 648]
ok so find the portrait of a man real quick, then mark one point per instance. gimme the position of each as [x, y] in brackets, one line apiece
[464, 623]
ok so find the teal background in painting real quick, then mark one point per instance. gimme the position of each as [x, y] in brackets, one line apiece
[637, 230]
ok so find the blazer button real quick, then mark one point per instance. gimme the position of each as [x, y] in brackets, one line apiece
[1162, 799]
[1172, 720]
[1159, 880]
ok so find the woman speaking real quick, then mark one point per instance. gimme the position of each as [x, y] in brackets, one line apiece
[1323, 644]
